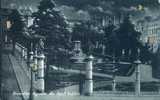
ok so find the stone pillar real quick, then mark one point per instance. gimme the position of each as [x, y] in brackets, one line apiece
[88, 88]
[30, 60]
[40, 77]
[114, 75]
[23, 54]
[35, 66]
[31, 56]
[6, 39]
[35, 61]
[114, 84]
[138, 78]
[103, 49]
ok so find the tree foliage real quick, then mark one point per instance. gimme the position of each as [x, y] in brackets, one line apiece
[129, 38]
[50, 23]
[17, 28]
[88, 36]
[125, 38]
[111, 40]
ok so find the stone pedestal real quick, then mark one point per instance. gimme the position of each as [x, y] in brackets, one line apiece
[31, 56]
[23, 54]
[138, 78]
[35, 66]
[35, 60]
[114, 84]
[88, 87]
[40, 73]
[6, 39]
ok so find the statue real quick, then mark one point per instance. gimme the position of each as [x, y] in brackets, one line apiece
[40, 47]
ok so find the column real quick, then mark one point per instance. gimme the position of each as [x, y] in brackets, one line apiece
[23, 54]
[31, 56]
[30, 60]
[114, 75]
[35, 66]
[40, 77]
[35, 61]
[114, 84]
[88, 89]
[6, 38]
[138, 78]
[103, 49]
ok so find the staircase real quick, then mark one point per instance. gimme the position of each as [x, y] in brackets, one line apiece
[22, 78]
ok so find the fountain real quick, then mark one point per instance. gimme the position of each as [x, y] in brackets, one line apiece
[78, 55]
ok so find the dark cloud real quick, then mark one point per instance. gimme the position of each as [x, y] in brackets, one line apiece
[78, 8]
[72, 13]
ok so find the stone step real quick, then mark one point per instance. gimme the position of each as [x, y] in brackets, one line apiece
[22, 78]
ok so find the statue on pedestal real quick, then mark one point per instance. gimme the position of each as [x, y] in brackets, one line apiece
[40, 47]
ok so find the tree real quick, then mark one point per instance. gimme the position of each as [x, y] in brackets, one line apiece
[17, 28]
[87, 35]
[51, 24]
[111, 40]
[129, 38]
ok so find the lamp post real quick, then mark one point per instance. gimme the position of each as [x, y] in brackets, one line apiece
[0, 51]
[2, 17]
[31, 82]
[138, 76]
[31, 88]
[114, 74]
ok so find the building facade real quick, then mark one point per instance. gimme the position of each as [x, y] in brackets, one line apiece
[150, 31]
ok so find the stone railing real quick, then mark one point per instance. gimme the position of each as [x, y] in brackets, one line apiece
[22, 50]
[124, 93]
[21, 57]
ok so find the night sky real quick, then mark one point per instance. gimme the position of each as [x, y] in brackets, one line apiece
[82, 8]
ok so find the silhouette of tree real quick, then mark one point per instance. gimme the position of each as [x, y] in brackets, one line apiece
[111, 40]
[129, 38]
[17, 28]
[51, 23]
[87, 35]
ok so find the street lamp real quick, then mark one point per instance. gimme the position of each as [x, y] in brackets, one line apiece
[114, 74]
[0, 54]
[31, 82]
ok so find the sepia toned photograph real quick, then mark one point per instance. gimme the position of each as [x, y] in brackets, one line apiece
[79, 49]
